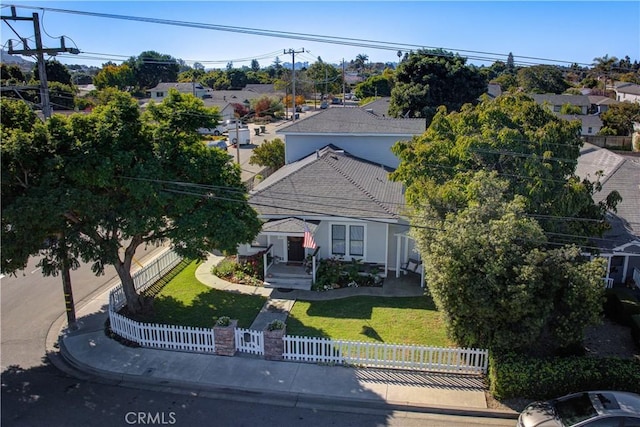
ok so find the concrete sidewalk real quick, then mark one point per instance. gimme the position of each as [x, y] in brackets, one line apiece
[91, 352]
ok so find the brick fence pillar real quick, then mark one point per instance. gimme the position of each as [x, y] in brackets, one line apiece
[225, 339]
[274, 344]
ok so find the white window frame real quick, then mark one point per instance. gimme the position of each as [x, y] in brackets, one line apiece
[347, 243]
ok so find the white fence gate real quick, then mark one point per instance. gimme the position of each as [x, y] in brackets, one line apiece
[250, 341]
[381, 355]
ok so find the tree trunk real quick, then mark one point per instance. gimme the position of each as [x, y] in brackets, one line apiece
[66, 283]
[123, 268]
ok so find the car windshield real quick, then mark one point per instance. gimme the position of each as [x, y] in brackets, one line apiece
[575, 409]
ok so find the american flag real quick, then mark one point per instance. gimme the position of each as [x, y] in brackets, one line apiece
[308, 238]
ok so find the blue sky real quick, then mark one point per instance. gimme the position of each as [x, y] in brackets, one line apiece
[574, 31]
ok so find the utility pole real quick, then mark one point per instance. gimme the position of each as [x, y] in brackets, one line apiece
[45, 105]
[344, 85]
[293, 79]
[39, 52]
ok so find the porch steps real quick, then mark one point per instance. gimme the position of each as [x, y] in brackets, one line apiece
[289, 281]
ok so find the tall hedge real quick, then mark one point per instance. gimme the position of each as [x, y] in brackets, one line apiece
[539, 379]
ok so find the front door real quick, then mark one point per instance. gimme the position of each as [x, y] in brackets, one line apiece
[295, 251]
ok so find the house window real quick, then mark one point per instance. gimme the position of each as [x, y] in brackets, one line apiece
[556, 108]
[338, 239]
[590, 130]
[356, 240]
[347, 240]
[159, 94]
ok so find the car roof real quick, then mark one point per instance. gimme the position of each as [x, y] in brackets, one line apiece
[616, 402]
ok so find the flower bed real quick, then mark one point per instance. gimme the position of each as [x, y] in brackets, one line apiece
[248, 271]
[335, 273]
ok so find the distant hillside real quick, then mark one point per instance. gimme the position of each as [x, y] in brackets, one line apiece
[24, 65]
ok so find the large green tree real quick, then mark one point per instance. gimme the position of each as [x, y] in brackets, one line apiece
[150, 68]
[114, 180]
[379, 85]
[493, 196]
[269, 154]
[117, 76]
[621, 117]
[497, 285]
[527, 145]
[428, 79]
[56, 72]
[542, 79]
[325, 77]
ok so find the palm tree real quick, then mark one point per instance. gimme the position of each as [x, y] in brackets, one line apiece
[360, 61]
[603, 66]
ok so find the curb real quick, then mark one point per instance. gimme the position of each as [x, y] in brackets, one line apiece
[299, 400]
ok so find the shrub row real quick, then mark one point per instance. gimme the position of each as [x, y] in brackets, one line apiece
[513, 376]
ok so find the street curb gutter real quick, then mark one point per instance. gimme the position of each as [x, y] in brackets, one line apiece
[300, 400]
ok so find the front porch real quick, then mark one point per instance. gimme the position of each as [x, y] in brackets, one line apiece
[292, 280]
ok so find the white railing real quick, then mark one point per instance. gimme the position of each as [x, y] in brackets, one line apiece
[250, 341]
[608, 282]
[323, 350]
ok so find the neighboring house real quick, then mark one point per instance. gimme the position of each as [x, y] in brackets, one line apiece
[555, 102]
[379, 107]
[347, 203]
[591, 125]
[621, 244]
[600, 104]
[159, 92]
[226, 109]
[354, 130]
[264, 89]
[627, 92]
[494, 90]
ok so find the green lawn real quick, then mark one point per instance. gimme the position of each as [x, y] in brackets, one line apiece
[186, 301]
[410, 320]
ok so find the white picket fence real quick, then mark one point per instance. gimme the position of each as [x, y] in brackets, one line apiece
[166, 337]
[296, 348]
[382, 355]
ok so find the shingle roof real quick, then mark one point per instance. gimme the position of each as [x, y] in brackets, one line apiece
[553, 99]
[602, 100]
[587, 120]
[329, 183]
[181, 87]
[379, 107]
[620, 173]
[354, 120]
[632, 89]
[288, 225]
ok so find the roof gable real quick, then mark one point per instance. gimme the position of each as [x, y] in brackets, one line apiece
[329, 183]
[354, 120]
[554, 99]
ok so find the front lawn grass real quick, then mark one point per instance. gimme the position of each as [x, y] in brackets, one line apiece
[394, 320]
[185, 301]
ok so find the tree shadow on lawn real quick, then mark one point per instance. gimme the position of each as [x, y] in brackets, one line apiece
[361, 307]
[206, 307]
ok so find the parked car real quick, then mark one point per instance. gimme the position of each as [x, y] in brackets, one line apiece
[589, 408]
[220, 143]
[217, 131]
[324, 105]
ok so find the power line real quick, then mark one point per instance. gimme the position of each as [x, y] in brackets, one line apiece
[348, 41]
